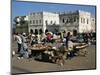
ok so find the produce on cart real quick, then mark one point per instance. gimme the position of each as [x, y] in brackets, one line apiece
[38, 50]
[80, 49]
[57, 53]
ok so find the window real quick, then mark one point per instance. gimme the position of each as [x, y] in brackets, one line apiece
[46, 22]
[36, 21]
[36, 31]
[31, 31]
[30, 22]
[51, 22]
[67, 21]
[74, 19]
[33, 21]
[33, 14]
[83, 20]
[92, 19]
[87, 21]
[71, 20]
[77, 19]
[40, 21]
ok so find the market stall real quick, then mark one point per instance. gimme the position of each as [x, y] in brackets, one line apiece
[56, 55]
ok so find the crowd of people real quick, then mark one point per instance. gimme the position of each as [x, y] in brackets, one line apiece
[58, 39]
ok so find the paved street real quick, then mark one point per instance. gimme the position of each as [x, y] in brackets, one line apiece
[79, 62]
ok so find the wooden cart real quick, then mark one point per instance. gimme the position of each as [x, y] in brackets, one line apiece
[81, 49]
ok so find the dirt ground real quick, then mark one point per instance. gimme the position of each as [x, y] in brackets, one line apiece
[76, 63]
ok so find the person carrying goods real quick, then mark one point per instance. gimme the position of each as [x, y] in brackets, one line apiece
[19, 42]
[24, 50]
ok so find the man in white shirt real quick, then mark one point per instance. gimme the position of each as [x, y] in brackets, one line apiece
[19, 41]
[24, 50]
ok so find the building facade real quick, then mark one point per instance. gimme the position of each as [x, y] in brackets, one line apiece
[40, 20]
[78, 20]
[81, 21]
[84, 22]
[93, 23]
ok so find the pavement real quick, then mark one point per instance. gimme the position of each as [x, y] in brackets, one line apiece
[76, 63]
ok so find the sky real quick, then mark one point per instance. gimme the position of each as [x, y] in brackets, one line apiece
[21, 8]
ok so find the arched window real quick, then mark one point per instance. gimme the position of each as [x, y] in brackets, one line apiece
[40, 31]
[36, 31]
[46, 30]
[31, 31]
[46, 22]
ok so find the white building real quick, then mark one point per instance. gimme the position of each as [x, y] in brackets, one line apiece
[40, 20]
[93, 23]
[79, 20]
[84, 21]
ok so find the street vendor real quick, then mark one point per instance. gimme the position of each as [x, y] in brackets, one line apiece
[19, 41]
[49, 37]
[70, 42]
[34, 40]
[24, 49]
[67, 39]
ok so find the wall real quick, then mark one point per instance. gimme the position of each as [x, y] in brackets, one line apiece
[51, 18]
[83, 25]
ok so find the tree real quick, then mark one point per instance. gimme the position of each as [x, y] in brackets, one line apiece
[15, 20]
[22, 21]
